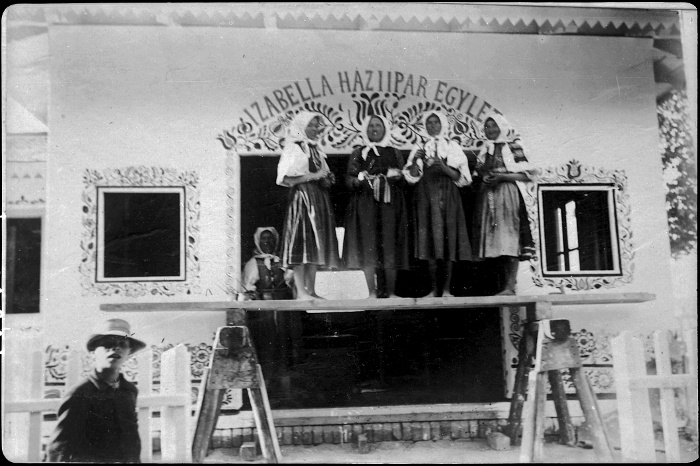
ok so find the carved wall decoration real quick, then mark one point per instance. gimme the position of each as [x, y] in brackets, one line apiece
[140, 177]
[343, 124]
[26, 183]
[56, 363]
[233, 272]
[576, 174]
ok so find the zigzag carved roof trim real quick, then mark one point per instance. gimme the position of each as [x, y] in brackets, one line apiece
[433, 17]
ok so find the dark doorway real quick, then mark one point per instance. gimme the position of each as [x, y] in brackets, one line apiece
[381, 358]
[315, 360]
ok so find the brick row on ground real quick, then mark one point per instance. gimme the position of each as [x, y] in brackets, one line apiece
[386, 432]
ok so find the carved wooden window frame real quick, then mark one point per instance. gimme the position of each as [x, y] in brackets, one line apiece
[576, 175]
[140, 176]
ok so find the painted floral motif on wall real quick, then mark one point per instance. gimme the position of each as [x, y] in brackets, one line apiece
[57, 357]
[140, 176]
[343, 124]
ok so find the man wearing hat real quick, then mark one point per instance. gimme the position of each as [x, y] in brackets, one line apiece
[97, 420]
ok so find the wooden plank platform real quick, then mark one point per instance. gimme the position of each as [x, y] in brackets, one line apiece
[390, 303]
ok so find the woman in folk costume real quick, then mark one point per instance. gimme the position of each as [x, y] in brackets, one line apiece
[265, 278]
[376, 222]
[263, 275]
[438, 168]
[309, 227]
[501, 226]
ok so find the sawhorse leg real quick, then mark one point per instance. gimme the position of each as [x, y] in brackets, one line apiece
[591, 411]
[567, 435]
[209, 415]
[263, 421]
[520, 389]
[533, 424]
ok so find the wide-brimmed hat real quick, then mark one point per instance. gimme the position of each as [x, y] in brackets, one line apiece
[114, 327]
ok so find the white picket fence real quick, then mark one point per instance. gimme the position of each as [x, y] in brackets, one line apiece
[632, 386]
[25, 406]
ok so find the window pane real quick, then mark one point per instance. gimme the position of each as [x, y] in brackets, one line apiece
[23, 265]
[142, 234]
[559, 230]
[572, 236]
[576, 225]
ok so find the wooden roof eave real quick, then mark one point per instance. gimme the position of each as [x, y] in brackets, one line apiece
[427, 17]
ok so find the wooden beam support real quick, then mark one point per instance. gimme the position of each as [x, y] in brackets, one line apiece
[539, 310]
[236, 317]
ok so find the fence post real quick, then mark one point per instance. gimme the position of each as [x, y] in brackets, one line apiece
[74, 368]
[690, 337]
[22, 431]
[144, 380]
[36, 392]
[20, 376]
[634, 411]
[667, 400]
[175, 420]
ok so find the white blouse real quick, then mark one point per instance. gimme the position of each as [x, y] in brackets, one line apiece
[295, 162]
[447, 150]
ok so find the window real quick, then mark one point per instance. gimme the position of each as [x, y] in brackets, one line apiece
[23, 265]
[579, 230]
[140, 233]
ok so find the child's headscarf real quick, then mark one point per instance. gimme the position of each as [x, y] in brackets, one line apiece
[370, 145]
[445, 124]
[259, 254]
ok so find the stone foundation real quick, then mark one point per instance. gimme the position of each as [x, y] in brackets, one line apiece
[374, 432]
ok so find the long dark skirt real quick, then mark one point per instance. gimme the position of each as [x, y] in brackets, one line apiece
[440, 228]
[376, 232]
[309, 228]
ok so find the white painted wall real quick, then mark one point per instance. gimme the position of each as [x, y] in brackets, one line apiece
[159, 96]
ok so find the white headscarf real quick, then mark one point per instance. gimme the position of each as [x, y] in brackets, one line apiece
[503, 136]
[370, 145]
[297, 128]
[436, 143]
[259, 254]
[291, 162]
